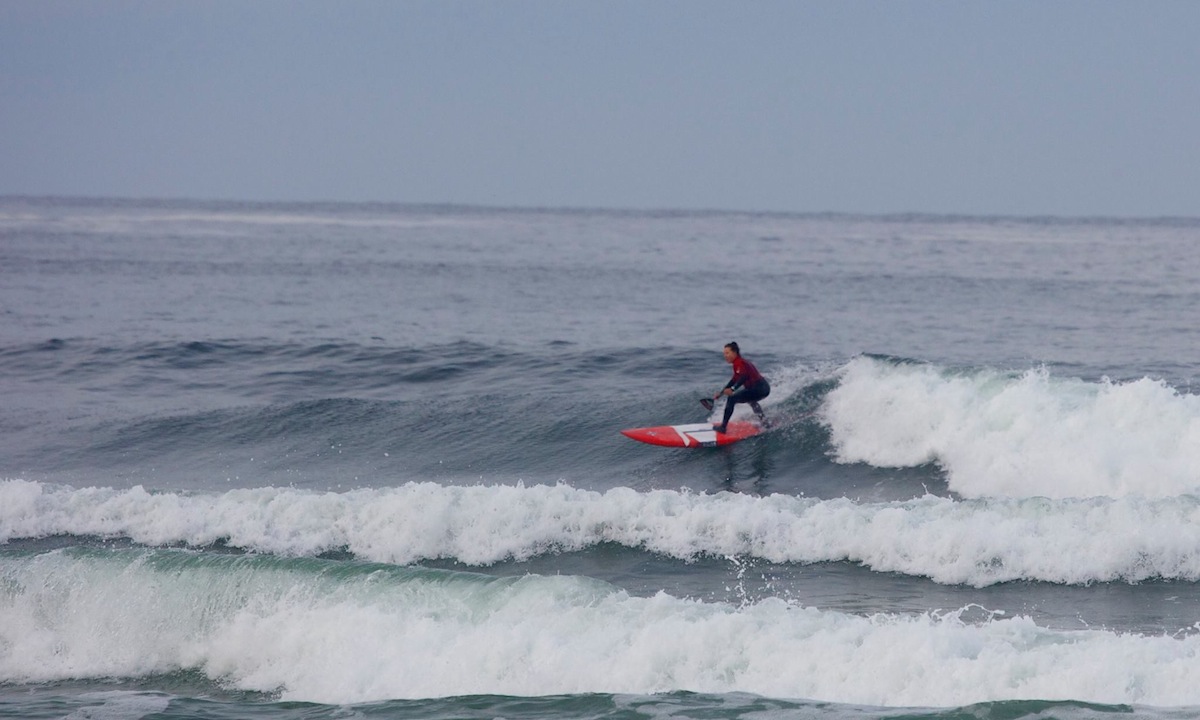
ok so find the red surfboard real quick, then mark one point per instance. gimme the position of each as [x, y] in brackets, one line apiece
[693, 435]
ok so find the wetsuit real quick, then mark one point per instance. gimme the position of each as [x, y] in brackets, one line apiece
[754, 387]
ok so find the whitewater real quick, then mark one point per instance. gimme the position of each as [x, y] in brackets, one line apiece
[949, 541]
[323, 632]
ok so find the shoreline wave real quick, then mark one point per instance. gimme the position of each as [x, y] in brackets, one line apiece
[324, 631]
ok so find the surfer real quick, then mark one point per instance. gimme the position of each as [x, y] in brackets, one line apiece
[746, 386]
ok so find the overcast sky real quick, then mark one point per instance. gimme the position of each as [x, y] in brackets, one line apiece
[1082, 107]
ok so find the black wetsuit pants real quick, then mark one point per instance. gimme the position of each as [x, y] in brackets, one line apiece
[750, 395]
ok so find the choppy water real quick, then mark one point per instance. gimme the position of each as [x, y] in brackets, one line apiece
[311, 460]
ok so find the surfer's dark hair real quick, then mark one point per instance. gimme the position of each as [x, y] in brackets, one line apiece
[733, 346]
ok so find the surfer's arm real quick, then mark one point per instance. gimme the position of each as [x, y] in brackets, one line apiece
[728, 389]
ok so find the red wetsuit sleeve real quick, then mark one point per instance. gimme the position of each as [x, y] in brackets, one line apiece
[744, 374]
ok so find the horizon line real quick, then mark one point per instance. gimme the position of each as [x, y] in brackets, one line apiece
[908, 215]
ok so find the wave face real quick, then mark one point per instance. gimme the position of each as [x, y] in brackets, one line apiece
[331, 416]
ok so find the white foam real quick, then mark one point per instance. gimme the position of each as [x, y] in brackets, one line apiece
[119, 705]
[976, 542]
[312, 636]
[1018, 435]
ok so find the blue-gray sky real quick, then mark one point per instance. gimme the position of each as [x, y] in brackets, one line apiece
[1080, 107]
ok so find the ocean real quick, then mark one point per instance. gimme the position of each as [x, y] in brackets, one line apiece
[300, 460]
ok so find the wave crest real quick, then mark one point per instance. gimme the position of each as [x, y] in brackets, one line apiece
[1028, 434]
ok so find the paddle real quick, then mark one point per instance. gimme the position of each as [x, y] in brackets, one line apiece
[707, 403]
